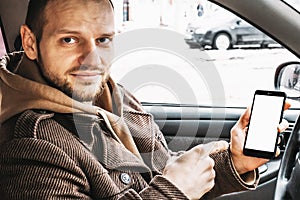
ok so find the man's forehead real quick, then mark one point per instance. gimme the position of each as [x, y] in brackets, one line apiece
[54, 5]
[74, 9]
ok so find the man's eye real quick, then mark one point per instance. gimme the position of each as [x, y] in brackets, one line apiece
[103, 40]
[69, 40]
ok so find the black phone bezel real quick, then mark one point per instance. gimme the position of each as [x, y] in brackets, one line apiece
[259, 153]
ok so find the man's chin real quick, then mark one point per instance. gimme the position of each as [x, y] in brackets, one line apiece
[83, 97]
[83, 91]
[86, 95]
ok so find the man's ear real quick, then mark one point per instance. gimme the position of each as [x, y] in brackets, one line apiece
[29, 42]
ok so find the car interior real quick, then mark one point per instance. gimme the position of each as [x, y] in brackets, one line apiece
[187, 125]
[3, 42]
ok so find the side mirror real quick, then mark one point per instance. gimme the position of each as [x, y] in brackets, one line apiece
[287, 79]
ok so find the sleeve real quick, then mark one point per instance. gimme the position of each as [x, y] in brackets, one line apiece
[227, 179]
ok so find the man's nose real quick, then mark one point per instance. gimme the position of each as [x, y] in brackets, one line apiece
[90, 55]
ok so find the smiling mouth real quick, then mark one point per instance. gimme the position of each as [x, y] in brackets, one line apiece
[87, 76]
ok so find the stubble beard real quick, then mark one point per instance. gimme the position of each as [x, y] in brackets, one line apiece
[79, 91]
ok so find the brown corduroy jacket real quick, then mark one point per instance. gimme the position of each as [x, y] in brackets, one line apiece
[50, 158]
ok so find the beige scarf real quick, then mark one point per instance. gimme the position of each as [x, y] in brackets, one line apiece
[22, 88]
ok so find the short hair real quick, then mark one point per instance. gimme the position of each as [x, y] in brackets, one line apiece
[35, 17]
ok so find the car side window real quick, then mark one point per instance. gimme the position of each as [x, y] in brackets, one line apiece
[196, 60]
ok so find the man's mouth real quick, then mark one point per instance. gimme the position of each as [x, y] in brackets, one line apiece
[87, 76]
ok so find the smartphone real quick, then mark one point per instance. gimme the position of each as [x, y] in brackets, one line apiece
[266, 114]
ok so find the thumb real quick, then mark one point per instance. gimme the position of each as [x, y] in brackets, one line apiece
[287, 105]
[213, 147]
[244, 119]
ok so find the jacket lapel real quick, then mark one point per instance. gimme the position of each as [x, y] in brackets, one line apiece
[93, 133]
[133, 126]
[148, 139]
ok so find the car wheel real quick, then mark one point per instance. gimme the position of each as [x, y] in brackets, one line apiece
[222, 41]
[264, 45]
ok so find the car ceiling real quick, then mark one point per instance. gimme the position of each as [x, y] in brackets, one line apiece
[286, 21]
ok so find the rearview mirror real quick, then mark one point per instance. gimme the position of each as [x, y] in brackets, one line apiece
[287, 79]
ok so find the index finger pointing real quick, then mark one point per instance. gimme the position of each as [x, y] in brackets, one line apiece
[213, 147]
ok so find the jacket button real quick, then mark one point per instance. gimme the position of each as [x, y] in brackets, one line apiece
[125, 178]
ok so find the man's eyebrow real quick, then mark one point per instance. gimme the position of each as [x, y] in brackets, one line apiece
[108, 34]
[67, 31]
[64, 31]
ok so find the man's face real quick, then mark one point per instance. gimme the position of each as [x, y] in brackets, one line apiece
[76, 48]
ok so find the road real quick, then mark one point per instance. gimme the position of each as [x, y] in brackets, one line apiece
[199, 76]
[244, 70]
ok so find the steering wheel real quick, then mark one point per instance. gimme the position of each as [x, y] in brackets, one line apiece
[288, 179]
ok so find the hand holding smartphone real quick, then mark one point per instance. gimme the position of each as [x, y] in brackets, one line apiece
[266, 114]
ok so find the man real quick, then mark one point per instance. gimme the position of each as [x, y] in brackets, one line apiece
[69, 132]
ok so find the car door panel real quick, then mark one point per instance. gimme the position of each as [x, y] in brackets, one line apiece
[193, 123]
[246, 33]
